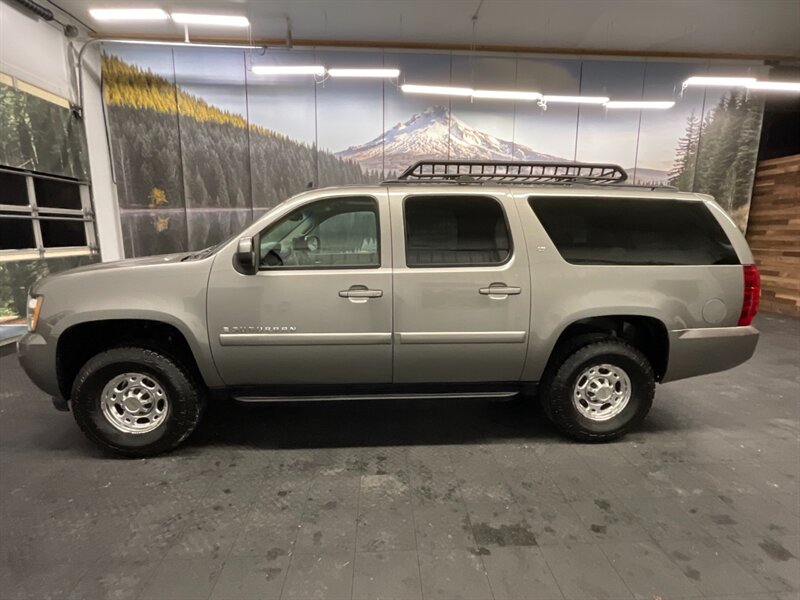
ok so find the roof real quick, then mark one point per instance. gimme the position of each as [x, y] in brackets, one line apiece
[565, 189]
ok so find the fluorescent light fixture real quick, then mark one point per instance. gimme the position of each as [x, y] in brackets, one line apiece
[506, 95]
[720, 81]
[215, 20]
[576, 99]
[376, 73]
[289, 70]
[441, 90]
[643, 104]
[128, 14]
[446, 90]
[775, 86]
[192, 44]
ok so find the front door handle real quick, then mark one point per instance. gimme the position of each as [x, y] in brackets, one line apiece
[500, 290]
[360, 293]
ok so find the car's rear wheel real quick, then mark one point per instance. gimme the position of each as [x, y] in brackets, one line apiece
[600, 391]
[136, 402]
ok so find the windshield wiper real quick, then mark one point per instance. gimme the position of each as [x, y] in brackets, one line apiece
[204, 253]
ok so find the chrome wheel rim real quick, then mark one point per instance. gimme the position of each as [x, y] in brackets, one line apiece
[134, 403]
[601, 392]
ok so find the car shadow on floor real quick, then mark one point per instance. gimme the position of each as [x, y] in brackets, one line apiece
[366, 423]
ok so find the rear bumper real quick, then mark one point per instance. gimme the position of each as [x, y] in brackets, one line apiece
[709, 350]
[38, 360]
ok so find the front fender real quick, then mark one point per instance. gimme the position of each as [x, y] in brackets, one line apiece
[171, 292]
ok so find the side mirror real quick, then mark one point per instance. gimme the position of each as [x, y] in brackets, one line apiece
[244, 260]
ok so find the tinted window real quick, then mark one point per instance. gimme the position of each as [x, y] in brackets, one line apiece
[16, 234]
[332, 233]
[62, 233]
[634, 231]
[51, 193]
[13, 189]
[446, 231]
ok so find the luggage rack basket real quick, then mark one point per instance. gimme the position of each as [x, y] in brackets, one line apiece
[511, 172]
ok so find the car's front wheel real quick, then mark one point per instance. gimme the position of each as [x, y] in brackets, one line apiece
[600, 391]
[136, 402]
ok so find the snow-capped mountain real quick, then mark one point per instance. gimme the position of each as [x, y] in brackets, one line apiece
[435, 133]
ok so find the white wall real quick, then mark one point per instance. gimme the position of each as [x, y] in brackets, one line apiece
[37, 52]
[34, 51]
[104, 190]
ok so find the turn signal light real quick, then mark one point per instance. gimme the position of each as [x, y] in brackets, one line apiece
[34, 306]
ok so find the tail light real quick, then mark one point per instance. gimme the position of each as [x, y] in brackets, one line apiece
[752, 294]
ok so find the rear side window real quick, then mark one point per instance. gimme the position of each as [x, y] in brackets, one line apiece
[621, 231]
[454, 231]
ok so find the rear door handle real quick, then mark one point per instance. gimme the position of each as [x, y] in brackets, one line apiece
[500, 289]
[360, 293]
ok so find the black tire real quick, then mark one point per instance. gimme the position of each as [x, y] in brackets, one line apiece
[186, 401]
[557, 390]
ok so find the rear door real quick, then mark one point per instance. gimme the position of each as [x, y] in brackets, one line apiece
[461, 287]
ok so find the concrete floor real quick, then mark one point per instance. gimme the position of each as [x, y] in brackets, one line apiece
[429, 499]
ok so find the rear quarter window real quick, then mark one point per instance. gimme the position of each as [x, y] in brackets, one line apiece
[633, 231]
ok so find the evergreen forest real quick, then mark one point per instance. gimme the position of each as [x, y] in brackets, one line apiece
[718, 155]
[190, 174]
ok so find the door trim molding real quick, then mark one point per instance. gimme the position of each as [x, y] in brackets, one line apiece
[303, 339]
[461, 337]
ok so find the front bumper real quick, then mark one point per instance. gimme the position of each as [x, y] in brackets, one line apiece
[38, 360]
[709, 350]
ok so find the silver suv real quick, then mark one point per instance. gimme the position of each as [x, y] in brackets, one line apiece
[457, 280]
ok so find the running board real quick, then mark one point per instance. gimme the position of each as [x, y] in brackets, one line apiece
[415, 396]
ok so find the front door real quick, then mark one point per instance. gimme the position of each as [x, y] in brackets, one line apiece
[461, 288]
[319, 308]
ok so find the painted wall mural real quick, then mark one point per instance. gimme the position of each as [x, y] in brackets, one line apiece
[202, 145]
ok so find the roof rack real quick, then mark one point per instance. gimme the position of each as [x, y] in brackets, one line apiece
[468, 171]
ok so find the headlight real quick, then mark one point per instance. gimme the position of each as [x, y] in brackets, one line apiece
[34, 307]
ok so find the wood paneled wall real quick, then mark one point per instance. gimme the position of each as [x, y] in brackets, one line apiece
[773, 232]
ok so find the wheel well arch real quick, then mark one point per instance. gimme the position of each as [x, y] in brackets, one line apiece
[78, 343]
[647, 334]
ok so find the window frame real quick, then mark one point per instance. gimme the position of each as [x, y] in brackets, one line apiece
[531, 199]
[493, 265]
[34, 214]
[280, 269]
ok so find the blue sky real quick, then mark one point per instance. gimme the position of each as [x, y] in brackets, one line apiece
[345, 112]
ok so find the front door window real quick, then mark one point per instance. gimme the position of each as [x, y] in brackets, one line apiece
[334, 233]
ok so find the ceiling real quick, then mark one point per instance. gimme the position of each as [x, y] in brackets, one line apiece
[757, 28]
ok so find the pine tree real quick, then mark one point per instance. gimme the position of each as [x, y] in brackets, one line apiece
[722, 160]
[682, 173]
[744, 167]
[240, 201]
